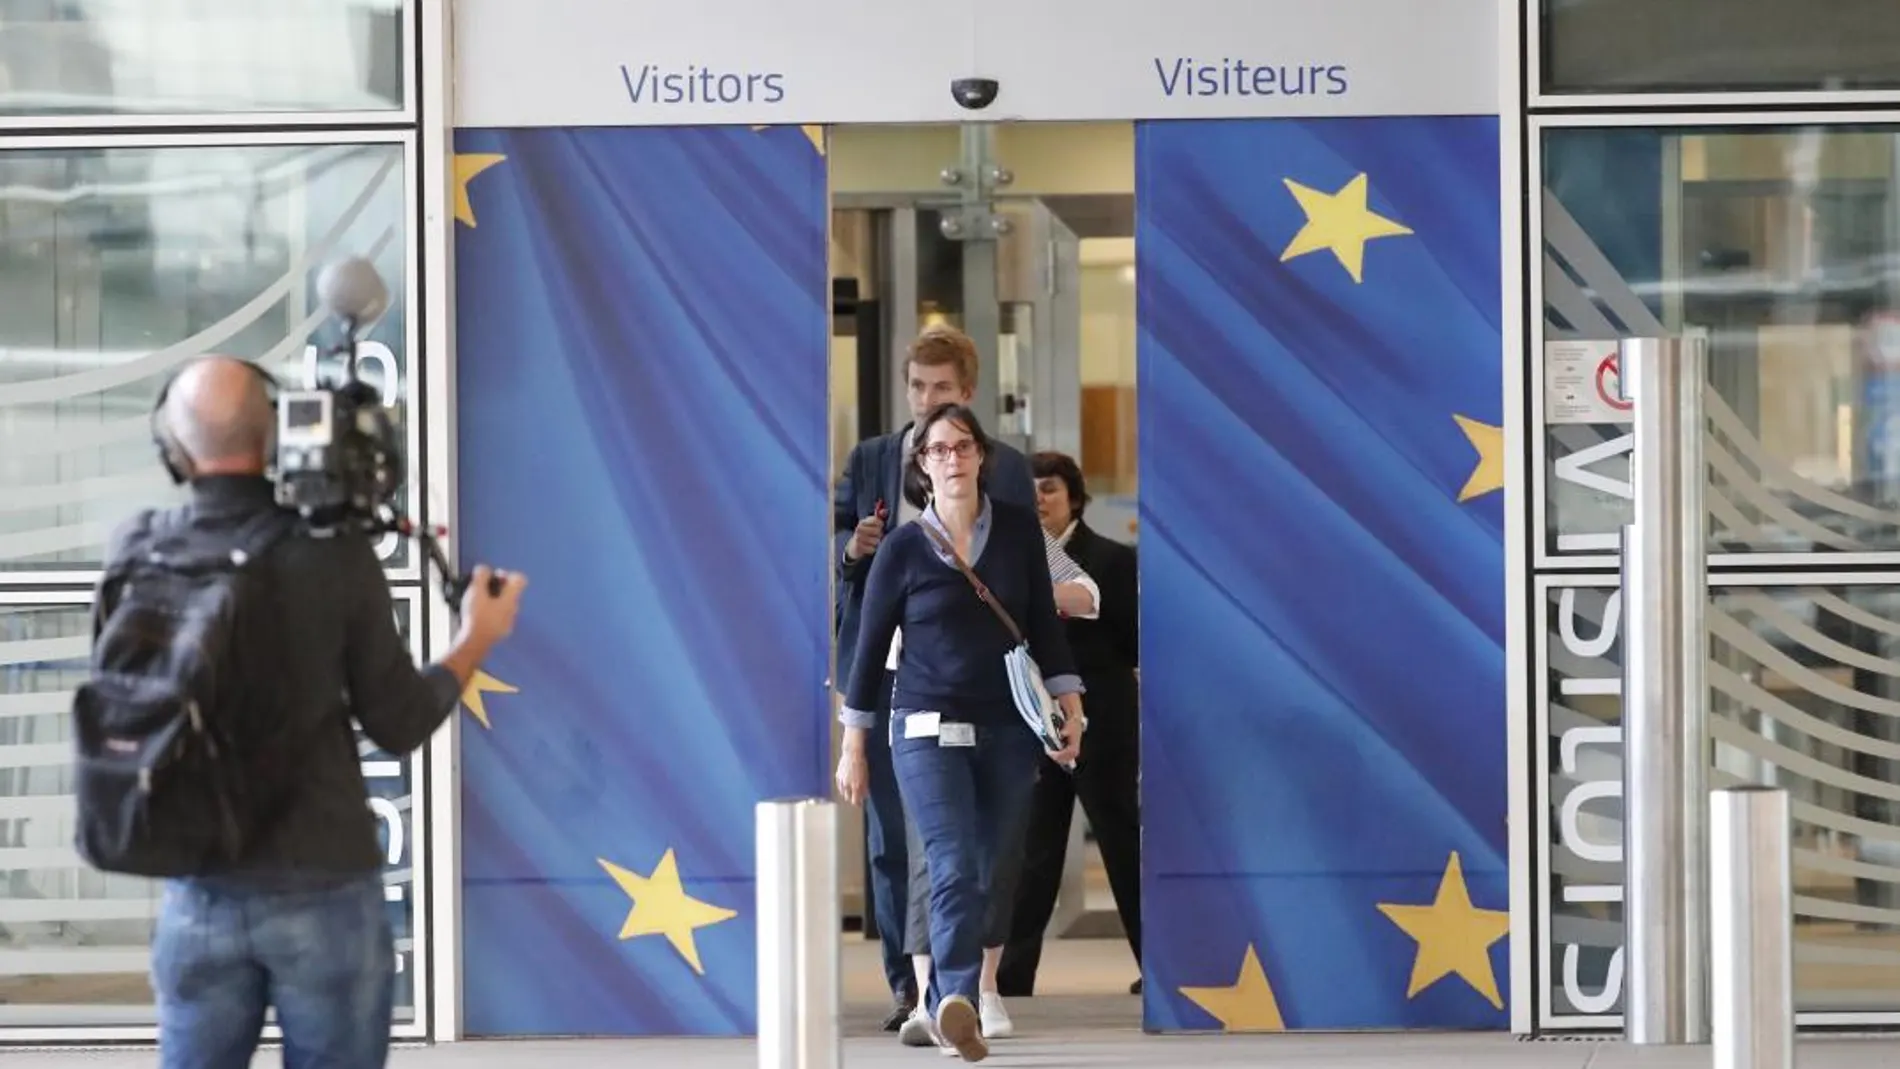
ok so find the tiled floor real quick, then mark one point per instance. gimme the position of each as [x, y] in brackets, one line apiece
[1069, 967]
[1055, 1045]
[1085, 1019]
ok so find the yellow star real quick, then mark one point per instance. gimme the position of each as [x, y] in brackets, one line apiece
[661, 906]
[1248, 1006]
[481, 684]
[1452, 936]
[814, 133]
[1340, 222]
[1488, 476]
[467, 166]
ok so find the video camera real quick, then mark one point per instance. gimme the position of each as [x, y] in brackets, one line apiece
[340, 460]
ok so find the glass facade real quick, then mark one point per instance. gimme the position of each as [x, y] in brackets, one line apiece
[1707, 46]
[173, 176]
[1662, 200]
[74, 942]
[190, 58]
[1803, 695]
[1782, 245]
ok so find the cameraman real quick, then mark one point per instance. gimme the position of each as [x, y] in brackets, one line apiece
[300, 922]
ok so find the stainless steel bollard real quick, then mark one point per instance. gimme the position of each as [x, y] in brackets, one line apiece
[800, 971]
[1665, 736]
[1751, 914]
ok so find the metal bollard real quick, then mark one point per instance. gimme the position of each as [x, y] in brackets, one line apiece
[800, 971]
[1751, 914]
[1665, 734]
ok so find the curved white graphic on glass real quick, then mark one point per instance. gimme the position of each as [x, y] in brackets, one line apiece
[1796, 410]
[74, 942]
[1804, 687]
[118, 265]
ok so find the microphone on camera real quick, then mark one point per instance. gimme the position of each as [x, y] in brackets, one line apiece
[352, 291]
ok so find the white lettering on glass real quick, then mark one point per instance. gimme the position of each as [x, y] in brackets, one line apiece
[1607, 680]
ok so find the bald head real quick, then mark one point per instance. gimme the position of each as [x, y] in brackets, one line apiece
[219, 414]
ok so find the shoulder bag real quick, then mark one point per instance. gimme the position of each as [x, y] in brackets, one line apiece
[1032, 699]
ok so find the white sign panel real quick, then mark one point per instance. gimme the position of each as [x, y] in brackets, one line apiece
[1583, 383]
[780, 62]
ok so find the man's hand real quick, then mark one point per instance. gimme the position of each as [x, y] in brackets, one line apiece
[488, 618]
[865, 539]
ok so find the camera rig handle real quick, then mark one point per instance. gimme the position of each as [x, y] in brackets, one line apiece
[454, 585]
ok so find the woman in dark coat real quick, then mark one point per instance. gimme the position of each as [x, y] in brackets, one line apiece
[1107, 653]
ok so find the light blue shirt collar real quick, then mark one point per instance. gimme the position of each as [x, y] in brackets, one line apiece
[979, 532]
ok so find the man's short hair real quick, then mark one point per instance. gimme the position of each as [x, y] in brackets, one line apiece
[940, 345]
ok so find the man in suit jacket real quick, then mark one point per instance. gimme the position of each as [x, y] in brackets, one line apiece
[1107, 777]
[940, 368]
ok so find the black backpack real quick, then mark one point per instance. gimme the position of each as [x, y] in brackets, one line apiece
[179, 768]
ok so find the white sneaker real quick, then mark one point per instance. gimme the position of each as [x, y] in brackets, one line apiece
[959, 1026]
[995, 1017]
[918, 1030]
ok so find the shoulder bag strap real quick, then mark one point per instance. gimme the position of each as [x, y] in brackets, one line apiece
[982, 591]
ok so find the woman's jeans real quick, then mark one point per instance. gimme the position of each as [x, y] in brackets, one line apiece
[965, 800]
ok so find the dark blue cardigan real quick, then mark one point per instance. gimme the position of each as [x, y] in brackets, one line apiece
[952, 660]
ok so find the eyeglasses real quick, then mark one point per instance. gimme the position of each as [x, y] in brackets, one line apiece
[942, 450]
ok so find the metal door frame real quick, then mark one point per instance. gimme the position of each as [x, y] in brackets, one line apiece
[1532, 571]
[1055, 340]
[1054, 292]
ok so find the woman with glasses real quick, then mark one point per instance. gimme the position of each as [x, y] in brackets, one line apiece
[965, 762]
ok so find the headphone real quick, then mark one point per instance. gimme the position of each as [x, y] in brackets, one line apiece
[176, 461]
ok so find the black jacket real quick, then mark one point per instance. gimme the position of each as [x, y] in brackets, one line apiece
[343, 660]
[1107, 649]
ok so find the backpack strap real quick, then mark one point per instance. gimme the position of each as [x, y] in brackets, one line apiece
[174, 535]
[130, 544]
[258, 535]
[194, 541]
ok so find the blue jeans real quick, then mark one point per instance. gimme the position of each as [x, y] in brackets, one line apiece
[965, 801]
[888, 851]
[323, 956]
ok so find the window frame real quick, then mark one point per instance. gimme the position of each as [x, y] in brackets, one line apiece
[422, 825]
[106, 123]
[1543, 557]
[1533, 571]
[1541, 99]
[417, 410]
[424, 126]
[1539, 984]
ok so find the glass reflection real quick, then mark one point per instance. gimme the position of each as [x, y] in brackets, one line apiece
[177, 57]
[1784, 246]
[1805, 691]
[1638, 46]
[116, 265]
[75, 942]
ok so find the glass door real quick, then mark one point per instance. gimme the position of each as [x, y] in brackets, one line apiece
[1780, 244]
[1039, 348]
